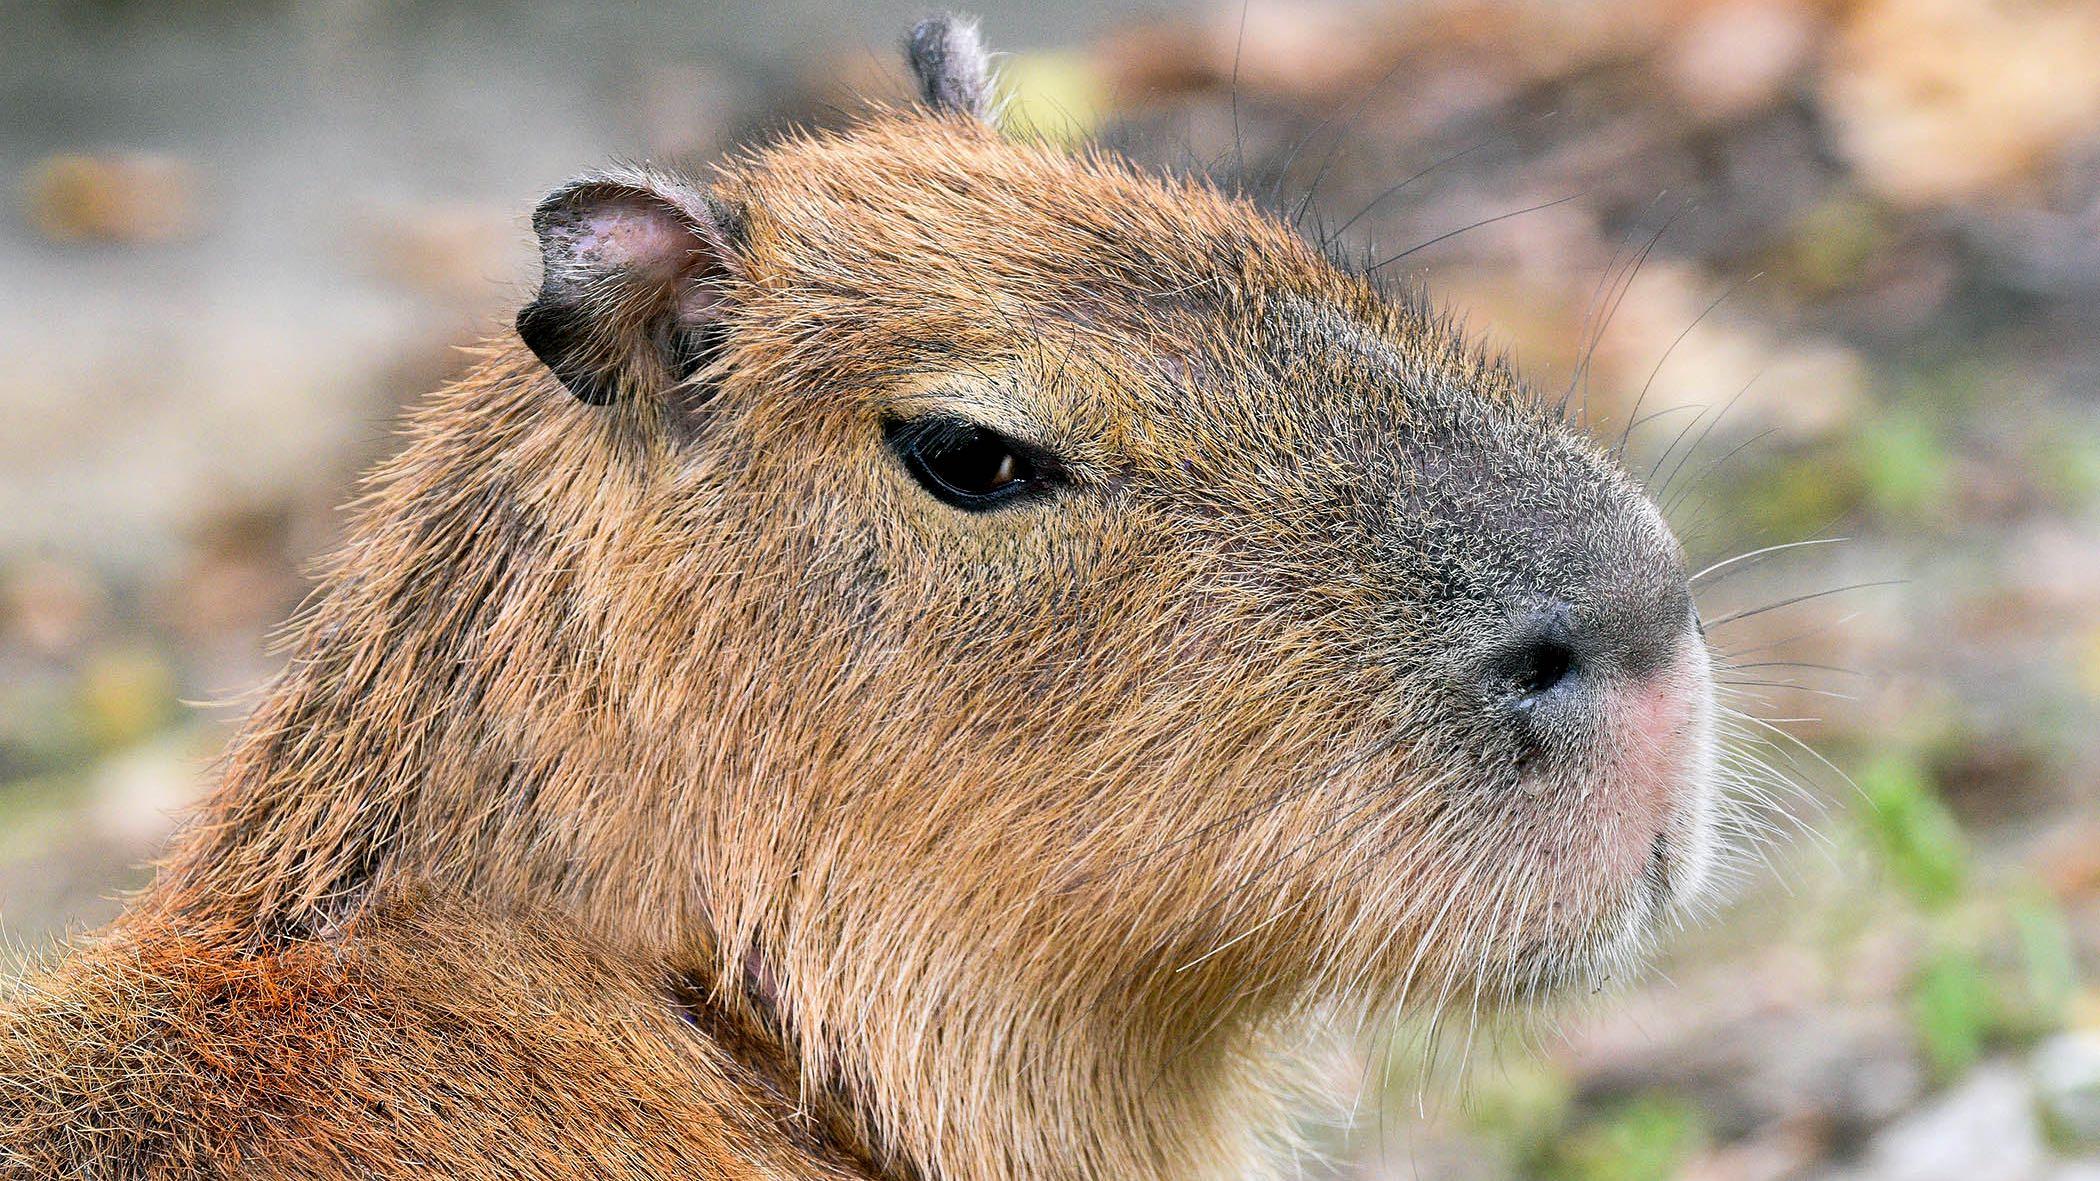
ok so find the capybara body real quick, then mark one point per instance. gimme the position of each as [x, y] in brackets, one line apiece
[928, 656]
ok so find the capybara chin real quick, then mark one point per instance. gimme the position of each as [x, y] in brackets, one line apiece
[928, 655]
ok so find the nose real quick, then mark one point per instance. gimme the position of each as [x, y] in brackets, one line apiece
[1553, 655]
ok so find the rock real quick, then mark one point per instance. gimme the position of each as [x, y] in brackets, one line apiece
[2039, 251]
[1984, 1129]
[134, 197]
[2069, 860]
[1773, 1065]
[1739, 56]
[2067, 1079]
[1939, 101]
[1772, 1155]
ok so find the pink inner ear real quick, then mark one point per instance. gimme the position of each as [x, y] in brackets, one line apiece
[649, 239]
[637, 236]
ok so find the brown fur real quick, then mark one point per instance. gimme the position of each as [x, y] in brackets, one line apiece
[420, 1040]
[672, 789]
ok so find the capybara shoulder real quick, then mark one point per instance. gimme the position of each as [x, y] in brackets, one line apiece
[422, 1040]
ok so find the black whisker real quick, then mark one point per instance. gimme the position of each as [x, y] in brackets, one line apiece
[1656, 372]
[1704, 434]
[1825, 668]
[1614, 291]
[1239, 44]
[1334, 151]
[1380, 199]
[1715, 467]
[1485, 221]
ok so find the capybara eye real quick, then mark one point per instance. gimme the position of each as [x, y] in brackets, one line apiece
[969, 466]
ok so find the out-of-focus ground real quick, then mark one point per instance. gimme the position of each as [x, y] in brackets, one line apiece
[1845, 257]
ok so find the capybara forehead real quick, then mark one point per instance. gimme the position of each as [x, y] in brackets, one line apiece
[1156, 317]
[912, 208]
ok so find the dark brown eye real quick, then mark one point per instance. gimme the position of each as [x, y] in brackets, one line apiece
[971, 467]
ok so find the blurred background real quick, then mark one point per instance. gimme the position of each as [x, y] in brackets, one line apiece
[1843, 257]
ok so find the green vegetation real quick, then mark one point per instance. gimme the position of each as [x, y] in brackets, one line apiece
[1903, 465]
[1920, 846]
[1999, 966]
[1647, 1139]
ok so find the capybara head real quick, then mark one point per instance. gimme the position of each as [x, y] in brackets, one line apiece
[1034, 629]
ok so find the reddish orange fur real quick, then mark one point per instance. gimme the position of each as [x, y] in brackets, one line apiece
[418, 1041]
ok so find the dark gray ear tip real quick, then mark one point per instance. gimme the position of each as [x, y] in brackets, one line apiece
[566, 199]
[951, 65]
[936, 28]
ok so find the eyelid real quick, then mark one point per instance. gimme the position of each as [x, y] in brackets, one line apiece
[991, 416]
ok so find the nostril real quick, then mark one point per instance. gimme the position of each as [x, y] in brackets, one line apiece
[1542, 666]
[1538, 656]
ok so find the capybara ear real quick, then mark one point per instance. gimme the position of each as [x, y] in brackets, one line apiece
[951, 65]
[639, 270]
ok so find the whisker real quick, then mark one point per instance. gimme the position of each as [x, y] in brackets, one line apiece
[1726, 408]
[1613, 300]
[1790, 686]
[1674, 443]
[1239, 45]
[1750, 612]
[1824, 668]
[1714, 468]
[1818, 630]
[1363, 103]
[1770, 549]
[1328, 241]
[1772, 726]
[1720, 299]
[1485, 221]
